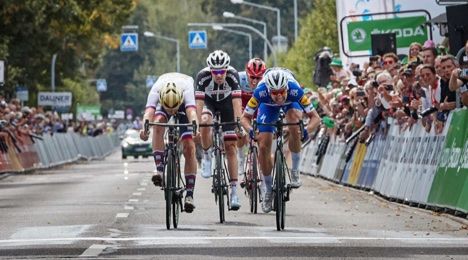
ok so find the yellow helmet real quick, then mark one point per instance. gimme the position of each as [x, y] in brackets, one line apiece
[171, 96]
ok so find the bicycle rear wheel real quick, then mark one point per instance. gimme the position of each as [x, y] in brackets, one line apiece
[279, 191]
[169, 188]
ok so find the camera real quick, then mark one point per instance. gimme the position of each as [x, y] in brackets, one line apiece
[389, 87]
[428, 111]
[463, 73]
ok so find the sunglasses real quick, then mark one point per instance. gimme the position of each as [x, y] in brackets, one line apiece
[281, 92]
[218, 72]
[388, 62]
[256, 78]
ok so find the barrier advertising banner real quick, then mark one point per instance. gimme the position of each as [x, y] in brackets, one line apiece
[450, 185]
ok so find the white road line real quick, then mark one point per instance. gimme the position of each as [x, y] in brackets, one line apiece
[125, 171]
[122, 215]
[93, 250]
[144, 184]
[460, 240]
[136, 194]
[141, 189]
[129, 207]
[133, 200]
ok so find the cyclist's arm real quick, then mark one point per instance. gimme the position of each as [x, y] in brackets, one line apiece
[314, 121]
[246, 120]
[192, 114]
[233, 80]
[200, 93]
[314, 118]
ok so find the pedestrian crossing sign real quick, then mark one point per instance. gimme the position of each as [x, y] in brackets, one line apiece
[101, 85]
[128, 42]
[197, 39]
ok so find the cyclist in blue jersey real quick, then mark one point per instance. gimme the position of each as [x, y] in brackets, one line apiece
[278, 90]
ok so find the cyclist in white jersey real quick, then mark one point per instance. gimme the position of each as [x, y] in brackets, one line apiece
[173, 93]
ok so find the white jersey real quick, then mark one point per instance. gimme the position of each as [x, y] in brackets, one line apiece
[182, 81]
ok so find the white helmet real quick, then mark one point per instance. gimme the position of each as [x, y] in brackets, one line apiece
[276, 79]
[171, 96]
[218, 60]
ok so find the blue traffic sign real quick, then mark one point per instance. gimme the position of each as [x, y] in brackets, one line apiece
[197, 40]
[128, 42]
[101, 85]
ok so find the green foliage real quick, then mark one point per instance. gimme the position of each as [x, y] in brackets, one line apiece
[318, 29]
[77, 31]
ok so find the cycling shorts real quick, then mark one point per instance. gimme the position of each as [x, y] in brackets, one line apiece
[270, 114]
[186, 132]
[227, 115]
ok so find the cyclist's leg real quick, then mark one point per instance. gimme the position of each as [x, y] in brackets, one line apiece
[293, 115]
[206, 138]
[230, 140]
[266, 114]
[158, 145]
[190, 166]
[241, 142]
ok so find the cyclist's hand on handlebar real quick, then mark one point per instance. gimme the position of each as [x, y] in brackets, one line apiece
[305, 135]
[252, 134]
[144, 135]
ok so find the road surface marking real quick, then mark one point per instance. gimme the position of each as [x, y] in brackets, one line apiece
[122, 215]
[141, 189]
[93, 250]
[129, 207]
[133, 200]
[435, 240]
[136, 194]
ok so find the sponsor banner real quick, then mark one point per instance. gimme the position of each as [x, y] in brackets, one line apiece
[55, 99]
[450, 184]
[407, 30]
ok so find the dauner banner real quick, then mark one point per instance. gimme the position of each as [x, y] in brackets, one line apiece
[407, 30]
[56, 99]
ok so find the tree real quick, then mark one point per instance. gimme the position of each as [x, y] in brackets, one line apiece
[318, 29]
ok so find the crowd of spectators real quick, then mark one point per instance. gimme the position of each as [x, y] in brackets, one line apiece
[419, 88]
[23, 120]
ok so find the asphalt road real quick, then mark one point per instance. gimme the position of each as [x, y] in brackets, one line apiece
[110, 209]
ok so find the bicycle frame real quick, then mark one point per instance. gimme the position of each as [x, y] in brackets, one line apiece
[252, 177]
[173, 184]
[281, 188]
[220, 172]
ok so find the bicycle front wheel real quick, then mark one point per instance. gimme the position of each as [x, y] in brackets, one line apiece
[254, 188]
[279, 191]
[177, 196]
[168, 190]
[219, 189]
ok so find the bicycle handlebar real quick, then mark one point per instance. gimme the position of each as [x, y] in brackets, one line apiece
[170, 125]
[280, 123]
[218, 124]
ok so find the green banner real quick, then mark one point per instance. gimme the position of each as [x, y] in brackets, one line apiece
[407, 30]
[450, 185]
[91, 109]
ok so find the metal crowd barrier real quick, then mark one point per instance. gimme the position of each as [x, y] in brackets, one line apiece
[412, 166]
[24, 153]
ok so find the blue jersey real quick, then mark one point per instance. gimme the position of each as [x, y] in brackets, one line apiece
[295, 94]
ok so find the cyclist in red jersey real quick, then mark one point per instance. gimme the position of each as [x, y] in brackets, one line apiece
[248, 81]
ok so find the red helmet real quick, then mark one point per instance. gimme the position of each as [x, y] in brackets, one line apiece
[255, 67]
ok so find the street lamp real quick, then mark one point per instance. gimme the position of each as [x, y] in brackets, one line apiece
[278, 15]
[151, 34]
[232, 15]
[242, 26]
[218, 27]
